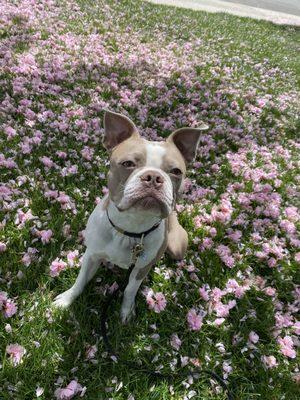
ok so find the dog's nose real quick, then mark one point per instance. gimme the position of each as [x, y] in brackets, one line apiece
[152, 178]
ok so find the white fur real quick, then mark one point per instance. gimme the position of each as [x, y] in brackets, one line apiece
[102, 238]
[105, 243]
[155, 153]
[134, 186]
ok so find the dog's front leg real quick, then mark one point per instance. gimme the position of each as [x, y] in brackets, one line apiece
[135, 279]
[177, 238]
[90, 264]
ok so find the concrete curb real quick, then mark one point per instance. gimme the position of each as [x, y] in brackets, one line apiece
[240, 10]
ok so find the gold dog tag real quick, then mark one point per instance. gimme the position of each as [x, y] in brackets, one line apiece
[137, 250]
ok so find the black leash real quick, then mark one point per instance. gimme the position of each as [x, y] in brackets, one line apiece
[136, 366]
[136, 251]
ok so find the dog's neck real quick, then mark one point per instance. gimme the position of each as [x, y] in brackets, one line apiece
[132, 220]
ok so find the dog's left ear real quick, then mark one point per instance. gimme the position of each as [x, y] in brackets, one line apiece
[117, 128]
[187, 140]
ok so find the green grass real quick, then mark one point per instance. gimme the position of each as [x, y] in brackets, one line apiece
[241, 43]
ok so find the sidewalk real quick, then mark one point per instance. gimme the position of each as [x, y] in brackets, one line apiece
[241, 10]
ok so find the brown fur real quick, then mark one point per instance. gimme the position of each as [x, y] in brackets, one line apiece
[177, 238]
[131, 149]
[124, 142]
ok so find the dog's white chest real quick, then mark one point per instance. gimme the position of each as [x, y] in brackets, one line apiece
[124, 257]
[119, 250]
[104, 241]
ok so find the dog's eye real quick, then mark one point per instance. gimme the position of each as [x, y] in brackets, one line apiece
[176, 171]
[128, 164]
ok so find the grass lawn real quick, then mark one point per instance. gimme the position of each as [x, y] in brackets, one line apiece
[61, 64]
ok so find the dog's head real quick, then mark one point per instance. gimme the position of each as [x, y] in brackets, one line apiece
[144, 174]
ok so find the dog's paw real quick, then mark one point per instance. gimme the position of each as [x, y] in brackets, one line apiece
[127, 314]
[63, 300]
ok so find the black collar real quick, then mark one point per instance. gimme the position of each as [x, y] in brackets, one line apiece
[132, 234]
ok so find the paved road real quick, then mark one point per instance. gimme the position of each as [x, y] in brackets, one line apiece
[277, 11]
[284, 6]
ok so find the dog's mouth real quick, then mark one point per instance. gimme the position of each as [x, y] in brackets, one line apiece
[148, 202]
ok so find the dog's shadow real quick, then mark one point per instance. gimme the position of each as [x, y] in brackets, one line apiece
[131, 361]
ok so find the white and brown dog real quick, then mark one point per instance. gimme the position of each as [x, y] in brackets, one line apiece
[144, 181]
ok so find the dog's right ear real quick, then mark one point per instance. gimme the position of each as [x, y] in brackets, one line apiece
[187, 140]
[117, 128]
